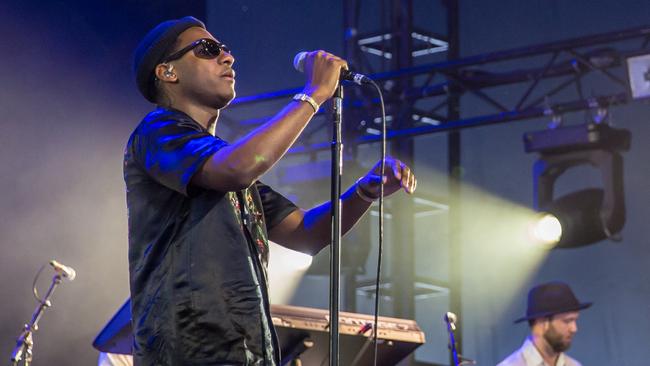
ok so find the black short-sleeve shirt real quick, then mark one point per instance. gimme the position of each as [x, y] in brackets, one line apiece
[197, 257]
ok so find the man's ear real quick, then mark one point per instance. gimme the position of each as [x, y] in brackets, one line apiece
[165, 72]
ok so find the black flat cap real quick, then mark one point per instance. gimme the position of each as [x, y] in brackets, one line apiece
[153, 47]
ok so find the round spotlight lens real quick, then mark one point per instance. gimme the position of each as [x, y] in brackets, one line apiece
[547, 229]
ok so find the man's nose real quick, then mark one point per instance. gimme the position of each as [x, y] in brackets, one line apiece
[226, 58]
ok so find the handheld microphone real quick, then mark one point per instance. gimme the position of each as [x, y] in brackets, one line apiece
[63, 270]
[299, 65]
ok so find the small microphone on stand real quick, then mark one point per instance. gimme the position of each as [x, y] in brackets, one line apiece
[25, 342]
[457, 359]
[63, 270]
[450, 318]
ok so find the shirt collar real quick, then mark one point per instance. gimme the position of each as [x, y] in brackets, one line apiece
[534, 358]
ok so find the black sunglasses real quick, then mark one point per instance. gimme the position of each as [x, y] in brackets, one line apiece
[205, 48]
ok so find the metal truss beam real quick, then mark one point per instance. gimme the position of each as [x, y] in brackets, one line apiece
[563, 65]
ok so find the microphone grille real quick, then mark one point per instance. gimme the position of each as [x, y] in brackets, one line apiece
[450, 317]
[72, 275]
[299, 61]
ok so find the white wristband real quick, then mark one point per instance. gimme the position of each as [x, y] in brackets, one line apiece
[302, 97]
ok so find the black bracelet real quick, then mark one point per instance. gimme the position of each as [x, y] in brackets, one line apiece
[362, 194]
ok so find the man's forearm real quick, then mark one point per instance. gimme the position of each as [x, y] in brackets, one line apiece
[317, 226]
[239, 165]
[310, 231]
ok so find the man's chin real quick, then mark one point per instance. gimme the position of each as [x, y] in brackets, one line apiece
[223, 102]
[558, 344]
[561, 347]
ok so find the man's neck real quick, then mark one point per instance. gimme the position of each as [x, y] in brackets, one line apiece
[545, 350]
[205, 116]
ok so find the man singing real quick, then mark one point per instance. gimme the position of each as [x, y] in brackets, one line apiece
[552, 314]
[199, 218]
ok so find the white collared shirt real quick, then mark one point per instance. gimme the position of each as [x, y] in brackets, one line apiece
[528, 355]
[114, 359]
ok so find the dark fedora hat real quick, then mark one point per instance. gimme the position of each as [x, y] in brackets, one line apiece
[551, 298]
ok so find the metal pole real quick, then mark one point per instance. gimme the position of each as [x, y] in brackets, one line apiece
[454, 169]
[335, 253]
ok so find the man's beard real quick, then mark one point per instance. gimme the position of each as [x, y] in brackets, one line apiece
[555, 340]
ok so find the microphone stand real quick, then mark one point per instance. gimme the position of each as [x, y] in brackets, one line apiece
[25, 342]
[457, 359]
[335, 254]
[452, 342]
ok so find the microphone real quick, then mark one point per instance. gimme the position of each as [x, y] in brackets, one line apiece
[65, 271]
[450, 318]
[299, 65]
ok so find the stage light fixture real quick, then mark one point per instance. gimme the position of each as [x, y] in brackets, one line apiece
[638, 74]
[591, 214]
[546, 229]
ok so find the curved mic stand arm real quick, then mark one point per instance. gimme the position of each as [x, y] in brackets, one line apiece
[25, 342]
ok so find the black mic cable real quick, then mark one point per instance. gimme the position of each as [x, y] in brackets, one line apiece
[380, 246]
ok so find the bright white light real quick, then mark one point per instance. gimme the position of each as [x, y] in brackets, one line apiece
[547, 229]
[302, 261]
[290, 260]
[286, 269]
